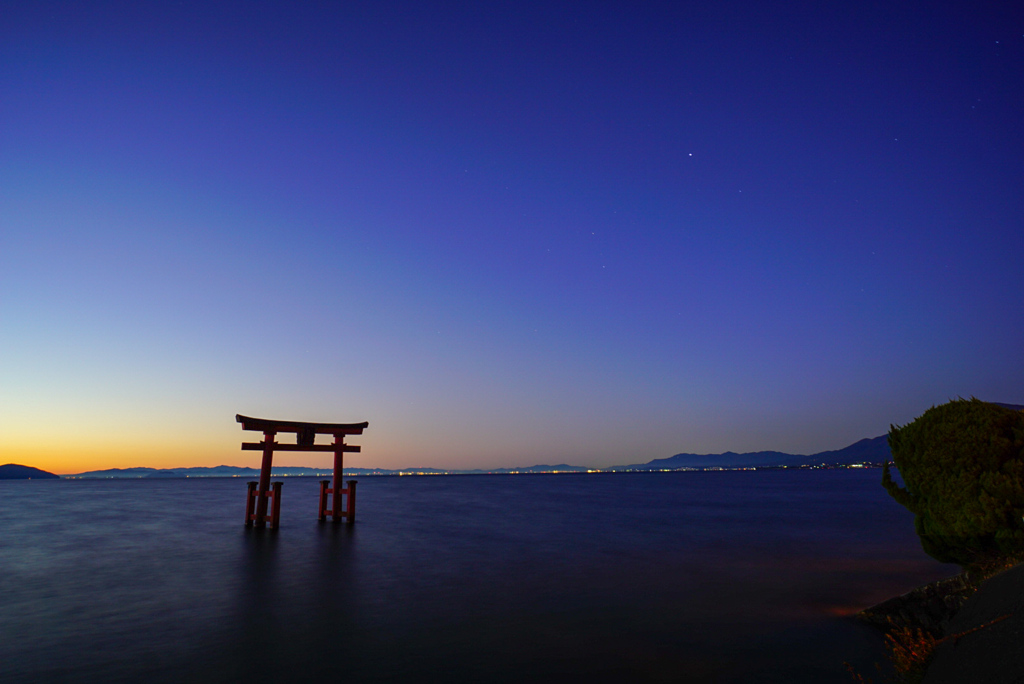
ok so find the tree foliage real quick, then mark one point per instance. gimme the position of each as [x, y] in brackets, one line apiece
[962, 465]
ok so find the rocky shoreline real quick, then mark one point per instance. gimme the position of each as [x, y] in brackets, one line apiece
[929, 608]
[953, 630]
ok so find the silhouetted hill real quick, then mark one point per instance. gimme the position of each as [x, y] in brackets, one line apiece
[873, 450]
[215, 471]
[13, 471]
[868, 450]
[118, 472]
[560, 468]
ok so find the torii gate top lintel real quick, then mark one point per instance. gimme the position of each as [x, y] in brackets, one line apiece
[264, 425]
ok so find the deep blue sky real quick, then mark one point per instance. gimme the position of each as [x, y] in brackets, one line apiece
[503, 233]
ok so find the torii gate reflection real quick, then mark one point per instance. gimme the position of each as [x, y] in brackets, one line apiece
[305, 438]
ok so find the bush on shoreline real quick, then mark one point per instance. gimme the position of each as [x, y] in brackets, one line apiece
[962, 464]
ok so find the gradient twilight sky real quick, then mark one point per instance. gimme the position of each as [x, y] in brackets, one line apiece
[503, 233]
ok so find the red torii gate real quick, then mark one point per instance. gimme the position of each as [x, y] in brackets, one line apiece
[305, 438]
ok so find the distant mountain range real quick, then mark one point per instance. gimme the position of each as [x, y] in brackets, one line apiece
[298, 471]
[866, 451]
[872, 451]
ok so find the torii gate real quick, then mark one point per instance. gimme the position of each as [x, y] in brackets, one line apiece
[305, 437]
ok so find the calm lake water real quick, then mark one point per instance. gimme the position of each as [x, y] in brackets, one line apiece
[660, 577]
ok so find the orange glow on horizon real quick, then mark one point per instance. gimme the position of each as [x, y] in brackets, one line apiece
[64, 457]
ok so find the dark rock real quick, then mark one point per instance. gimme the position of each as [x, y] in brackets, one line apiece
[983, 640]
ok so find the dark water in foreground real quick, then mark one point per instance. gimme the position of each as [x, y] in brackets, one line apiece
[664, 577]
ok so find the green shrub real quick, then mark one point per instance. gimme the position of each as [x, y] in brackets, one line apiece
[962, 465]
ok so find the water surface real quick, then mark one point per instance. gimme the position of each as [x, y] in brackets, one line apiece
[646, 577]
